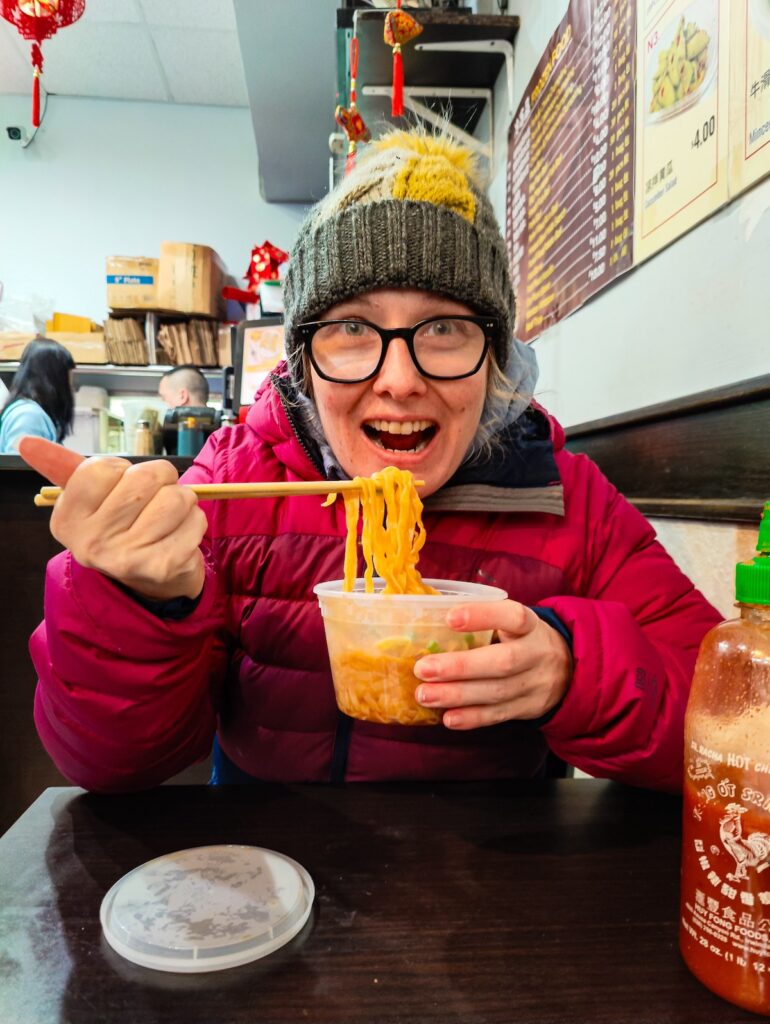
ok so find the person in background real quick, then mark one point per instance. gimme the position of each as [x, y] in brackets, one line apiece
[40, 401]
[184, 385]
[168, 623]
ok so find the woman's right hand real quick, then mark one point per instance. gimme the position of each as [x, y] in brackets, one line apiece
[134, 523]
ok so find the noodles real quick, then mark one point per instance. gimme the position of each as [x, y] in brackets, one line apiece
[373, 674]
[392, 533]
[379, 687]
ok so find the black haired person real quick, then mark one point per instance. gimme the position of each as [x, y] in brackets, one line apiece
[40, 401]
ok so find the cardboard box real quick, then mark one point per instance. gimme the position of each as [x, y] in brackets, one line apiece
[68, 322]
[12, 344]
[132, 282]
[84, 348]
[190, 279]
[225, 339]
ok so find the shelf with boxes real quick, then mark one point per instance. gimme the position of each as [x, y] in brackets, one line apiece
[167, 309]
[185, 279]
[162, 311]
[144, 337]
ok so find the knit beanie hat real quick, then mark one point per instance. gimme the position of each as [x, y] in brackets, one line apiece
[411, 214]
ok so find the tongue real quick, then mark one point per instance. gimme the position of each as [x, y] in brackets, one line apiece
[400, 442]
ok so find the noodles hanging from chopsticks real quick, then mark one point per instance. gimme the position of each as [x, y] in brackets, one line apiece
[392, 533]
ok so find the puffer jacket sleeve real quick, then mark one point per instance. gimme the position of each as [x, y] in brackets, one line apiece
[636, 630]
[126, 699]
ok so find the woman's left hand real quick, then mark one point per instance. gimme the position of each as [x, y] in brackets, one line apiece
[523, 676]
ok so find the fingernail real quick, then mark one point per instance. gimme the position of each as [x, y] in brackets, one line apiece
[450, 719]
[425, 669]
[424, 697]
[456, 619]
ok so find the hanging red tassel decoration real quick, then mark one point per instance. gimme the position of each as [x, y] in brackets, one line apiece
[37, 64]
[397, 103]
[348, 118]
[37, 20]
[400, 28]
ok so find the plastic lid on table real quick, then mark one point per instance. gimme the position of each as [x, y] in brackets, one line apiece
[207, 908]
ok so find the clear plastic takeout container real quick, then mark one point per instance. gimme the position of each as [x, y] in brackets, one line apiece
[375, 639]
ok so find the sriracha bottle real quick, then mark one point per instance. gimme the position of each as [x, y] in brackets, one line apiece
[724, 929]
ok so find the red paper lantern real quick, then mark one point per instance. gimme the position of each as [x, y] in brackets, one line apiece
[38, 20]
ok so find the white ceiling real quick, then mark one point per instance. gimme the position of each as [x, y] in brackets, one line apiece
[168, 51]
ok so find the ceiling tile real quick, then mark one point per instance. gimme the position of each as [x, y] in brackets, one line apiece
[107, 60]
[181, 51]
[209, 14]
[113, 11]
[202, 67]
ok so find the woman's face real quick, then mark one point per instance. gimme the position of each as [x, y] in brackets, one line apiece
[364, 423]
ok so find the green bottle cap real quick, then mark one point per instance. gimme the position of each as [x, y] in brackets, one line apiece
[752, 579]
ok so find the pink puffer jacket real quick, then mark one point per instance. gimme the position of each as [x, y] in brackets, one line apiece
[127, 699]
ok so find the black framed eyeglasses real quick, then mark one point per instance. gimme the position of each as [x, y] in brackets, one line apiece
[442, 348]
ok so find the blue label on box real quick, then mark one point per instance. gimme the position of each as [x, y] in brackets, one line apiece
[128, 279]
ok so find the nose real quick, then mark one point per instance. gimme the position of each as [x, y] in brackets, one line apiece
[398, 376]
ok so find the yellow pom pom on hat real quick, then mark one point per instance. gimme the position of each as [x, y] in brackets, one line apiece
[427, 180]
[413, 213]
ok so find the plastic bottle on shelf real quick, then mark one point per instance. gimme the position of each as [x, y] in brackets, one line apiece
[724, 932]
[144, 443]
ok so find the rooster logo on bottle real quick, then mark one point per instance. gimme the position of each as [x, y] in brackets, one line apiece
[751, 851]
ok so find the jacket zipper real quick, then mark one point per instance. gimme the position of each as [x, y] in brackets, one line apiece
[275, 380]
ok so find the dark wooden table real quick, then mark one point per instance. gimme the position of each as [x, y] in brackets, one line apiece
[532, 902]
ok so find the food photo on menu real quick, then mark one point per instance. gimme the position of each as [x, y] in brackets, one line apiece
[683, 63]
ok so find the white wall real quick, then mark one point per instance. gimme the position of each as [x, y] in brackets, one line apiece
[693, 317]
[116, 178]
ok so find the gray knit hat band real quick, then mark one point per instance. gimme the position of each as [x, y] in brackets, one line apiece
[397, 243]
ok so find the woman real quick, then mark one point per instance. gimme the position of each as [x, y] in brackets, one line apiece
[40, 401]
[166, 623]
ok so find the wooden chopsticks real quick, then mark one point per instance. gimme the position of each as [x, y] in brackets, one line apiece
[47, 496]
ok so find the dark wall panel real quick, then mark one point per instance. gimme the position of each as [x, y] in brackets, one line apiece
[706, 456]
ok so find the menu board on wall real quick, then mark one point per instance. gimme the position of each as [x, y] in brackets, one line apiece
[749, 93]
[570, 193]
[682, 118]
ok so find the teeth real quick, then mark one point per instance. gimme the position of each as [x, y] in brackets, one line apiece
[400, 451]
[393, 427]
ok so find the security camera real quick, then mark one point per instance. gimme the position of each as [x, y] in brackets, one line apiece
[16, 134]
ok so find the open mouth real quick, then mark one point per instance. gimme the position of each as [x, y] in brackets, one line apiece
[411, 436]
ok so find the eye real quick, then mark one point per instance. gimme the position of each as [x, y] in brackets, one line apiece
[353, 329]
[442, 327]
